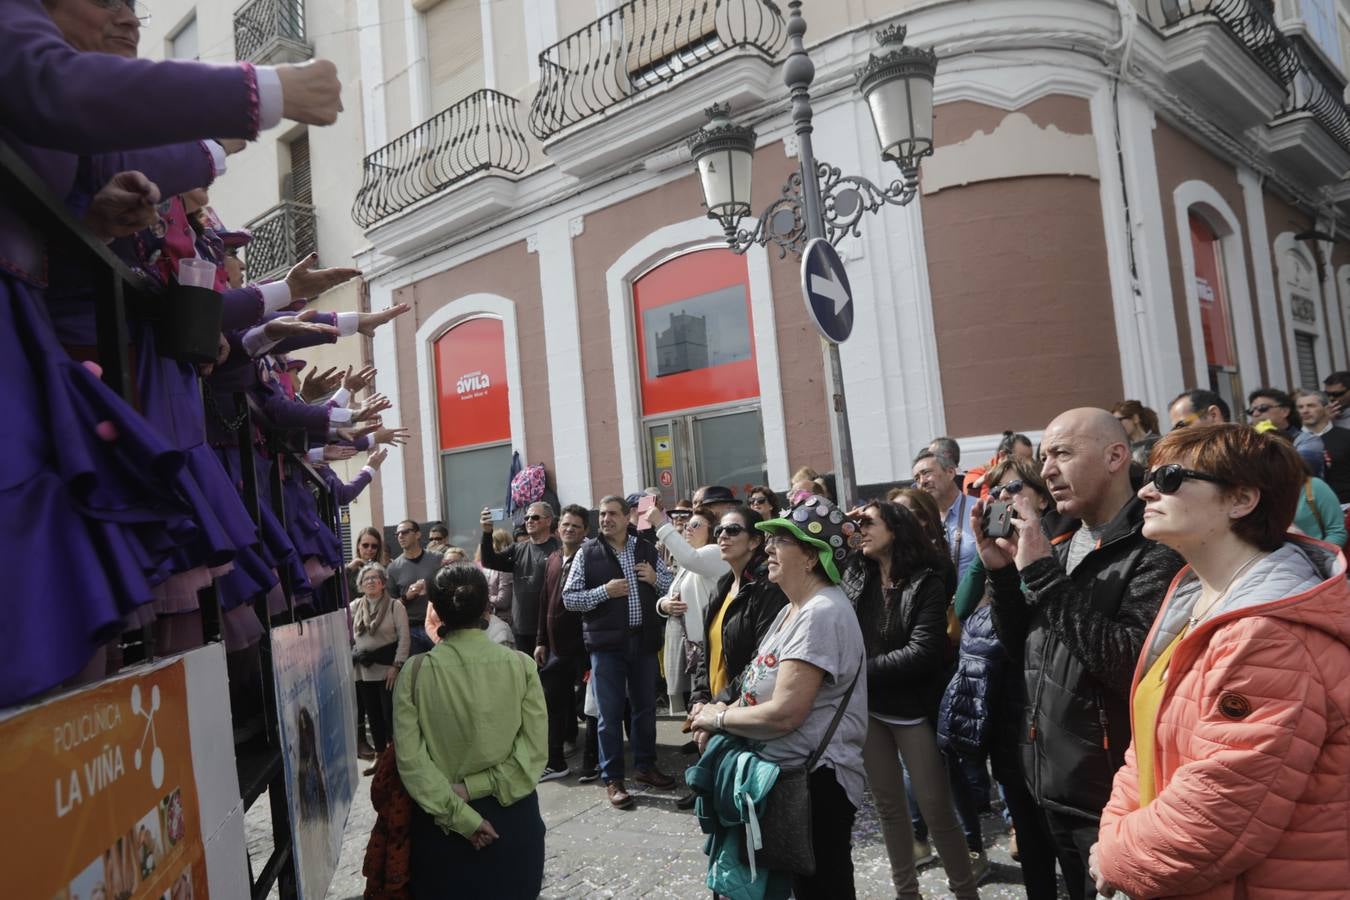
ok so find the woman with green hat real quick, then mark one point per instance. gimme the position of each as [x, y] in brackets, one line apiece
[809, 664]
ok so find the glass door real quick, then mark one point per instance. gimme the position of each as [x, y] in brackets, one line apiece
[724, 447]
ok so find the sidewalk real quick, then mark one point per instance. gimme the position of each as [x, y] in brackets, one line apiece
[654, 850]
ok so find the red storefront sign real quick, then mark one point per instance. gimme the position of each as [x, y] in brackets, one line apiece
[695, 332]
[471, 388]
[1209, 288]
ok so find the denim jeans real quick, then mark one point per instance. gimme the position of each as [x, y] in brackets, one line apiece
[418, 642]
[618, 674]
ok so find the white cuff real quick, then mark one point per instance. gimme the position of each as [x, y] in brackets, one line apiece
[347, 323]
[338, 416]
[217, 156]
[315, 455]
[257, 343]
[370, 470]
[276, 295]
[341, 397]
[271, 98]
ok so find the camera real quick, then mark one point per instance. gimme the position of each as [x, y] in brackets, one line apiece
[998, 516]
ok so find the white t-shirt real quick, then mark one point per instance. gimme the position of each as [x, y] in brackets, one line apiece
[824, 633]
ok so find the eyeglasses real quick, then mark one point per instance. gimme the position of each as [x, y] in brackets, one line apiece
[405, 531]
[1167, 479]
[781, 540]
[732, 530]
[759, 501]
[372, 578]
[533, 518]
[1262, 409]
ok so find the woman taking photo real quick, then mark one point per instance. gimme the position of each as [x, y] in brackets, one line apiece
[380, 647]
[902, 611]
[470, 733]
[699, 565]
[742, 606]
[1237, 782]
[808, 664]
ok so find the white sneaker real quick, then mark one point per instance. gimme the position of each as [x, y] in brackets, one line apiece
[923, 853]
[554, 774]
[979, 864]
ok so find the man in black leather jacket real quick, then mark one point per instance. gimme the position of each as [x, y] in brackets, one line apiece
[1076, 613]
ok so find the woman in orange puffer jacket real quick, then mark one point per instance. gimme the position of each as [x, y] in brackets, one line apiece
[1237, 783]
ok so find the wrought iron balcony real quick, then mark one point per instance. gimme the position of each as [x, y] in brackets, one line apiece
[1315, 90]
[271, 31]
[642, 44]
[1250, 22]
[477, 134]
[282, 236]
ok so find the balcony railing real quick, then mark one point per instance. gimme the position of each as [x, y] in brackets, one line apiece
[282, 236]
[478, 133]
[1314, 90]
[271, 31]
[1251, 23]
[642, 44]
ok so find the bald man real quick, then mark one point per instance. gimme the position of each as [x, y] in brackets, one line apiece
[1077, 612]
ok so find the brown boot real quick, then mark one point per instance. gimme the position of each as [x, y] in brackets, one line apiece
[656, 778]
[619, 798]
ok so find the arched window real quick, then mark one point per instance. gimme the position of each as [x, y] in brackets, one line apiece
[697, 374]
[1298, 282]
[474, 423]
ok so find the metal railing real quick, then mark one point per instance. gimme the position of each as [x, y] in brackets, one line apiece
[478, 133]
[1250, 22]
[1314, 90]
[282, 236]
[260, 23]
[642, 44]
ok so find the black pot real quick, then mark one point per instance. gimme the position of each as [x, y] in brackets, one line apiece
[187, 327]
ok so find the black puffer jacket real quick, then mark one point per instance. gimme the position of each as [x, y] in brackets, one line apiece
[1079, 637]
[905, 632]
[752, 611]
[970, 704]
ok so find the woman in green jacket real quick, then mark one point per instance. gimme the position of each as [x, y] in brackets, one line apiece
[470, 730]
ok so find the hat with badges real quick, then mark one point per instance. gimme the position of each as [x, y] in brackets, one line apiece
[818, 522]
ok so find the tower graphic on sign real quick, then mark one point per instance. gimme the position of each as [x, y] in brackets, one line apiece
[156, 754]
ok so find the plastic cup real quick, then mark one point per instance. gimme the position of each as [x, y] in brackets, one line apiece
[197, 273]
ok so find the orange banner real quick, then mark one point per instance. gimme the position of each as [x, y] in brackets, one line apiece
[100, 796]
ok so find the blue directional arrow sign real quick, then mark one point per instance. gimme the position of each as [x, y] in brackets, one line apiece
[829, 299]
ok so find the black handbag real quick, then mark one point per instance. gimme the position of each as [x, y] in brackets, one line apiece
[785, 823]
[380, 656]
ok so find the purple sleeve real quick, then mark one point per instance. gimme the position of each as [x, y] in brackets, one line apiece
[57, 97]
[346, 493]
[284, 413]
[243, 307]
[175, 169]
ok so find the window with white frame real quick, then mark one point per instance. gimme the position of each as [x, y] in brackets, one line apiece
[1300, 288]
[1321, 21]
[183, 42]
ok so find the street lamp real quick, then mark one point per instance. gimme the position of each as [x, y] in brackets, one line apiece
[818, 201]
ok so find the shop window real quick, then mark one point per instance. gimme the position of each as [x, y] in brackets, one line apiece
[1216, 318]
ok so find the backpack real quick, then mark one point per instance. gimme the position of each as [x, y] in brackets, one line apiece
[528, 486]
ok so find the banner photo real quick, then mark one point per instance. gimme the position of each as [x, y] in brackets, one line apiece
[316, 702]
[100, 794]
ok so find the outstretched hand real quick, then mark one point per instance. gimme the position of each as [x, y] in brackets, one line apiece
[360, 380]
[368, 322]
[123, 206]
[316, 385]
[306, 282]
[297, 325]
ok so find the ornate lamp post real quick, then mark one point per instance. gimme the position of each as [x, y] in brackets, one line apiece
[819, 201]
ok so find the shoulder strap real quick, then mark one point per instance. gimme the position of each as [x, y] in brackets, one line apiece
[416, 667]
[1312, 504]
[838, 714]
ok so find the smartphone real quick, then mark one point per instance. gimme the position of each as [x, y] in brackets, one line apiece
[498, 513]
[645, 505]
[998, 519]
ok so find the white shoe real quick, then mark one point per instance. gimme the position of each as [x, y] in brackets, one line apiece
[979, 864]
[923, 853]
[554, 774]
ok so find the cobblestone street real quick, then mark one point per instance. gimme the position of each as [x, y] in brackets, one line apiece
[654, 850]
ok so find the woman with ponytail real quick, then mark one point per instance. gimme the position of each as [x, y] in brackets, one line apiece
[470, 735]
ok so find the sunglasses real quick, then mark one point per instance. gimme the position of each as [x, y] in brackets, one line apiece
[695, 524]
[680, 513]
[1262, 409]
[1011, 487]
[405, 531]
[1336, 395]
[731, 530]
[1167, 479]
[533, 518]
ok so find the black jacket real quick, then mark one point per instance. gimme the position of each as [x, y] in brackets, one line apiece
[970, 704]
[526, 561]
[752, 611]
[905, 632]
[1336, 444]
[1079, 638]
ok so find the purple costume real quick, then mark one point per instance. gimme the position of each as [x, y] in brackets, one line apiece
[92, 499]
